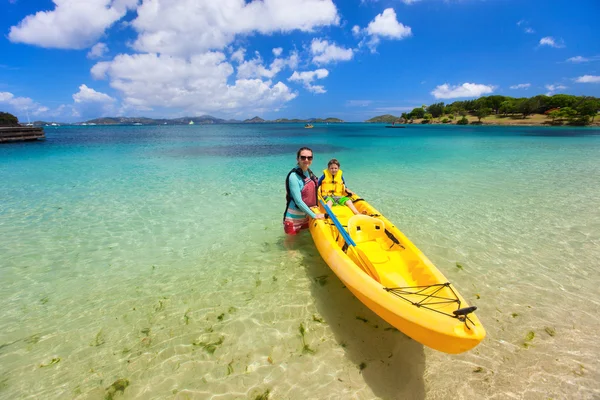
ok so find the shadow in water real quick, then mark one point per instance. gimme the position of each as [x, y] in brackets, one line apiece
[392, 363]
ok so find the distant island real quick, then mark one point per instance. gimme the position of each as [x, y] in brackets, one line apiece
[540, 110]
[557, 110]
[201, 120]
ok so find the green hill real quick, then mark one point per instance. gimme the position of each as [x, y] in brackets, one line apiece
[387, 118]
[255, 120]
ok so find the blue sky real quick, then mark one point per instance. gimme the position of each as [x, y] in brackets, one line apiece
[73, 60]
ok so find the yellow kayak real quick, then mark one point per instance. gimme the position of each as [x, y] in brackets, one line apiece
[392, 277]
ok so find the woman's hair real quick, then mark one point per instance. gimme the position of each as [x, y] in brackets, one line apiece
[333, 161]
[300, 151]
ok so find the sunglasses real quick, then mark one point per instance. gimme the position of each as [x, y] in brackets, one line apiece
[309, 158]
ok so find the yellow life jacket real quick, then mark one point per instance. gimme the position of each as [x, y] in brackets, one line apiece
[332, 185]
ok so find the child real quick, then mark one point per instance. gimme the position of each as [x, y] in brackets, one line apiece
[332, 186]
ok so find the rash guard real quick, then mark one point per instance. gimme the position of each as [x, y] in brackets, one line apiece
[296, 185]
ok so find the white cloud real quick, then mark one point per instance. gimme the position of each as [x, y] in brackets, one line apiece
[550, 41]
[89, 95]
[446, 91]
[255, 69]
[521, 86]
[526, 27]
[238, 55]
[554, 88]
[588, 79]
[307, 77]
[198, 83]
[293, 60]
[277, 51]
[386, 25]
[325, 52]
[409, 2]
[88, 103]
[73, 24]
[185, 27]
[98, 50]
[22, 104]
[5, 97]
[580, 59]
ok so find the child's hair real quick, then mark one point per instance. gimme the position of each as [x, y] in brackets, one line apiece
[333, 161]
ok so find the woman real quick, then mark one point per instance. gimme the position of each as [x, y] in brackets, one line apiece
[301, 194]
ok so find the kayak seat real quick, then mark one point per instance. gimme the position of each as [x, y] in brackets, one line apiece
[363, 228]
[365, 231]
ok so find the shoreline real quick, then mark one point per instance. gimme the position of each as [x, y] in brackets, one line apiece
[534, 120]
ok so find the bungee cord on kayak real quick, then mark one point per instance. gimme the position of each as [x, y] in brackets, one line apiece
[429, 299]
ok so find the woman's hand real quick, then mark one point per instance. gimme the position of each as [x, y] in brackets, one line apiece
[319, 216]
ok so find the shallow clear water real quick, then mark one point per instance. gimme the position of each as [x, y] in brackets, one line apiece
[156, 255]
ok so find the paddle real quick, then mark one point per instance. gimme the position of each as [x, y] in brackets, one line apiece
[365, 263]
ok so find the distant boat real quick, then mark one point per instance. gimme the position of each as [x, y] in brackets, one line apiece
[137, 123]
[307, 126]
[191, 123]
[28, 121]
[395, 126]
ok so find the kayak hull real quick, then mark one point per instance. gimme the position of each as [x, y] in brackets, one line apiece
[394, 279]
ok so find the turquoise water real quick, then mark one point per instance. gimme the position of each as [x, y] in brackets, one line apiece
[156, 255]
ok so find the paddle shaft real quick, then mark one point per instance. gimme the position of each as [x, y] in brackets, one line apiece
[365, 265]
[337, 224]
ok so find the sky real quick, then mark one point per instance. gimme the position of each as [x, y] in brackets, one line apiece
[74, 60]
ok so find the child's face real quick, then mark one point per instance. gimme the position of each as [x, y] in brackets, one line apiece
[333, 169]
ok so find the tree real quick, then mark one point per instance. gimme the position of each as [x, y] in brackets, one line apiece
[483, 112]
[507, 107]
[462, 121]
[418, 112]
[494, 102]
[563, 100]
[555, 113]
[568, 113]
[541, 103]
[436, 109]
[7, 119]
[589, 107]
[526, 107]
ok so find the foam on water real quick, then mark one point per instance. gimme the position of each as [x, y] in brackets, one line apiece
[157, 255]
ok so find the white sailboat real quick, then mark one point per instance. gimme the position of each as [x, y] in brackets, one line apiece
[28, 121]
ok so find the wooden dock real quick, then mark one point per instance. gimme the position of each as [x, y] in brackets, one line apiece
[21, 133]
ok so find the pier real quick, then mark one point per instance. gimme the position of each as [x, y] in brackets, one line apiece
[21, 133]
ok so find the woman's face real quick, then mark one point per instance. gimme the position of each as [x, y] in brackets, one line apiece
[305, 159]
